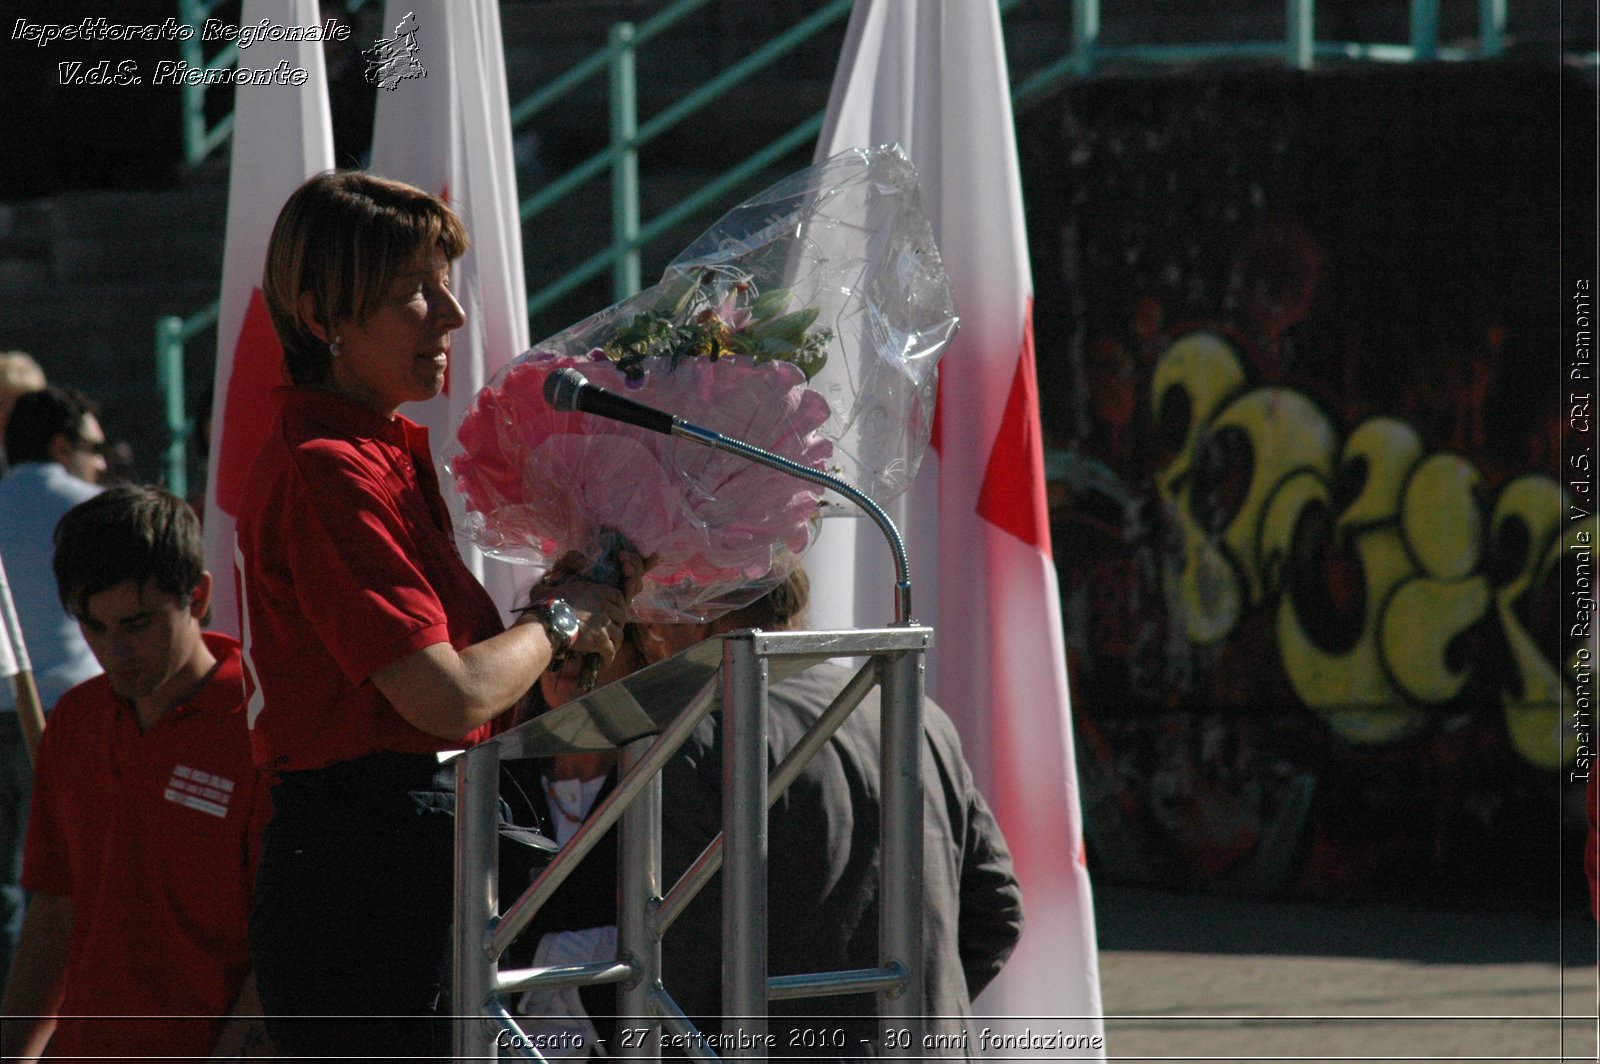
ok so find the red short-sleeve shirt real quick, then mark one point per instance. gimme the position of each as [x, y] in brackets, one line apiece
[346, 563]
[154, 836]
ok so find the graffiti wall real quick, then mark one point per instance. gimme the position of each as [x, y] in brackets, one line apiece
[1298, 341]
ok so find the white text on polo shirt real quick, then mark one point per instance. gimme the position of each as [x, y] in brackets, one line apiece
[199, 790]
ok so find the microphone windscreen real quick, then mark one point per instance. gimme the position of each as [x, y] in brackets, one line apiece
[561, 388]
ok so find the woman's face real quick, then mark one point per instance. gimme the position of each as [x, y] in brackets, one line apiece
[401, 352]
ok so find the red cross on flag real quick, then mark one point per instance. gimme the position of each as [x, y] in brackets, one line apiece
[931, 76]
[281, 136]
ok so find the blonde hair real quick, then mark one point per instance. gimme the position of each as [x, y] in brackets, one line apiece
[19, 373]
[340, 239]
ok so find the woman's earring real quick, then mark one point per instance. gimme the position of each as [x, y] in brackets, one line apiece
[334, 348]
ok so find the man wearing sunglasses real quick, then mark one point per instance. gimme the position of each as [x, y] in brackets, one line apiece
[54, 442]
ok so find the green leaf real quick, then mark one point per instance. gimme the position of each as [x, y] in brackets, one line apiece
[767, 304]
[802, 319]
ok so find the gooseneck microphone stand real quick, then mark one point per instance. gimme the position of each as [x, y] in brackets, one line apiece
[568, 390]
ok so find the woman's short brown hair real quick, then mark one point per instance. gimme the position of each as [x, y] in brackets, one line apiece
[341, 238]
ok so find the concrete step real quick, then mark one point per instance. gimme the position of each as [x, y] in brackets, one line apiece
[125, 310]
[100, 336]
[173, 235]
[24, 243]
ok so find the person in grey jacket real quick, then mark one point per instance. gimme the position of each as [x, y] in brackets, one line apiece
[824, 864]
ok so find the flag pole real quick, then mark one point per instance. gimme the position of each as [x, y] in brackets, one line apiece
[15, 665]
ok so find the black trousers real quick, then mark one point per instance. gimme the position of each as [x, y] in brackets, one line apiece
[350, 929]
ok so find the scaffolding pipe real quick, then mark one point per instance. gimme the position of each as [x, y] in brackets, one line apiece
[476, 895]
[480, 936]
[744, 833]
[638, 891]
[900, 914]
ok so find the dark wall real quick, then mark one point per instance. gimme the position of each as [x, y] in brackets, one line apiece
[100, 135]
[64, 136]
[1299, 339]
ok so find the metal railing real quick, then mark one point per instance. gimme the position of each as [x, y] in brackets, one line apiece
[1300, 47]
[172, 334]
[619, 159]
[200, 138]
[749, 661]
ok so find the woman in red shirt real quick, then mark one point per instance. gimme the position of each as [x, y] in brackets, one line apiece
[370, 646]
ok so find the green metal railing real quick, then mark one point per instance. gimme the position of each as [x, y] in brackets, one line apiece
[199, 138]
[619, 159]
[1300, 47]
[172, 334]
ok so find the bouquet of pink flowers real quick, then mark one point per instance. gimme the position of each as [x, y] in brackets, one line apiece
[806, 322]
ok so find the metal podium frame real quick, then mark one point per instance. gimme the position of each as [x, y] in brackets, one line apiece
[621, 715]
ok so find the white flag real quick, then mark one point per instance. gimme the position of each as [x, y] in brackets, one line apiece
[281, 136]
[448, 130]
[931, 76]
[13, 649]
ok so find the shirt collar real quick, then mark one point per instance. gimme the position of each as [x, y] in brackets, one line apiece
[222, 692]
[46, 471]
[225, 690]
[346, 417]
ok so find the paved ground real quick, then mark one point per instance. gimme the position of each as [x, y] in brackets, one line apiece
[1189, 977]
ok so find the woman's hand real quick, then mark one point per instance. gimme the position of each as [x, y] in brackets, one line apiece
[601, 611]
[601, 608]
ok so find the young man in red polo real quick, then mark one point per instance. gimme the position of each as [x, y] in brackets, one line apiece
[147, 810]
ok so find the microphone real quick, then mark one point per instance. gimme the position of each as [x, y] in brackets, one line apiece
[568, 390]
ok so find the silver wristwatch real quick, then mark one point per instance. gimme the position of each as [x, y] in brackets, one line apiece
[560, 623]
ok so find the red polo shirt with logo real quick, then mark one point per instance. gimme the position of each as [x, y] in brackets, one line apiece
[347, 563]
[154, 836]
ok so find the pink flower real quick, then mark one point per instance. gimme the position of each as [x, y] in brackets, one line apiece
[542, 483]
[730, 313]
